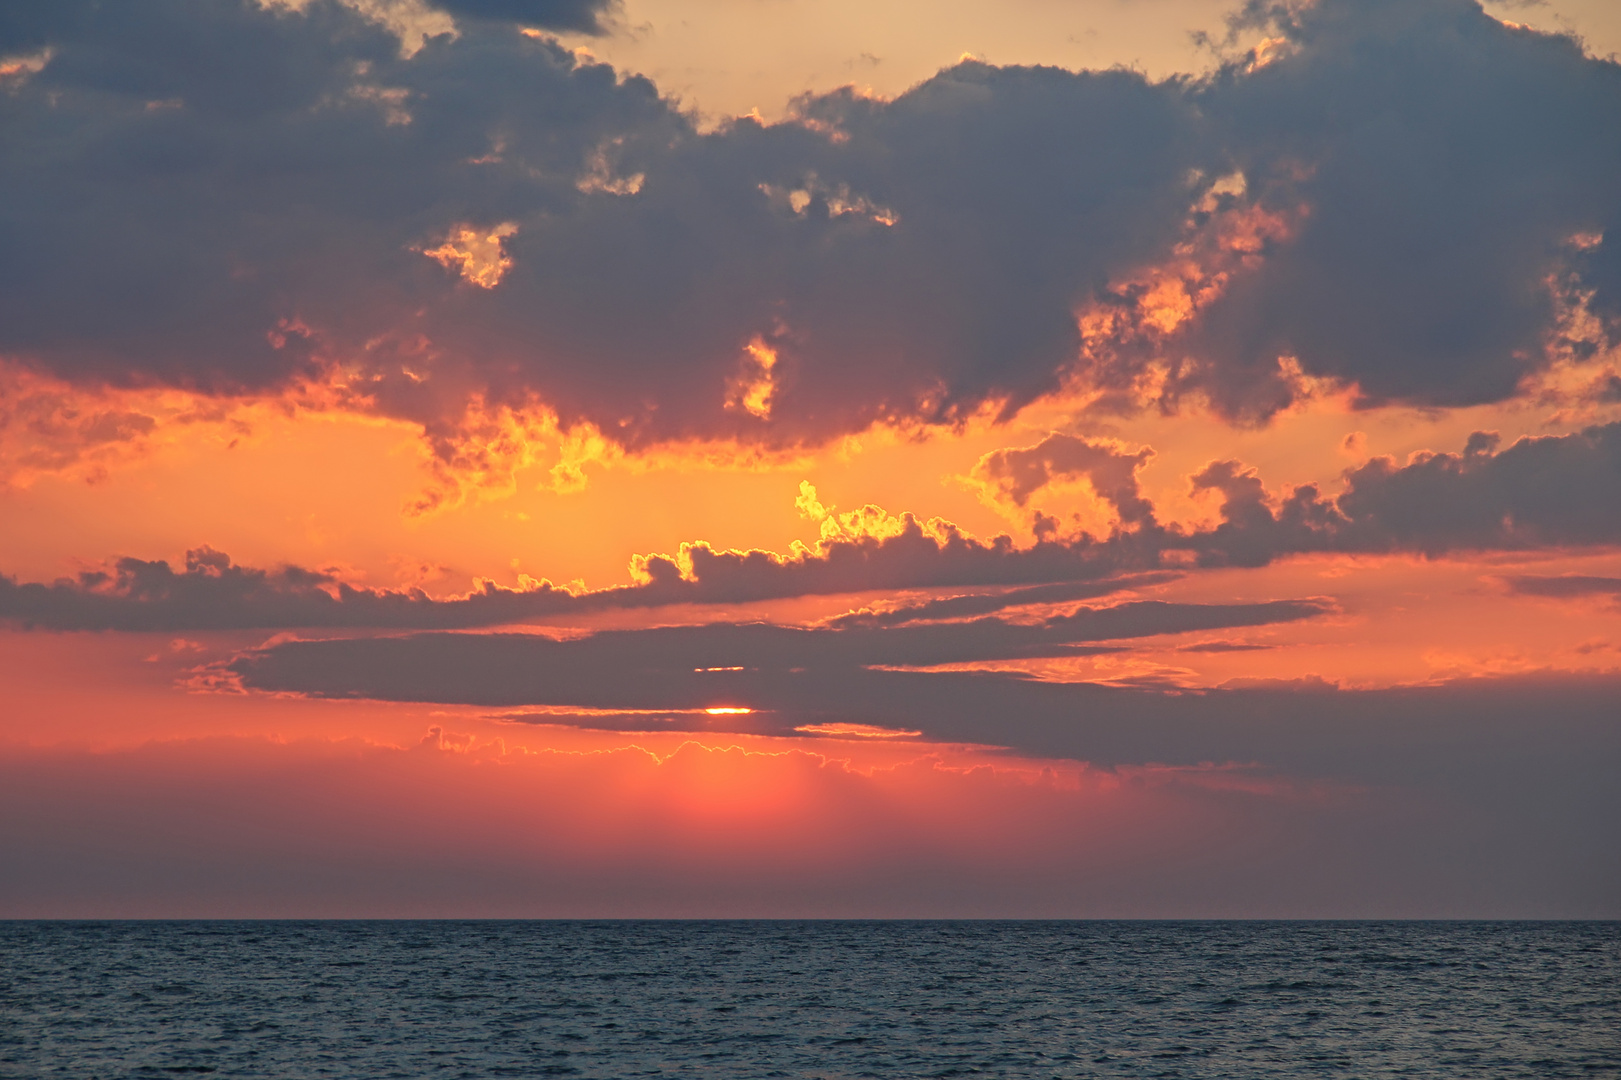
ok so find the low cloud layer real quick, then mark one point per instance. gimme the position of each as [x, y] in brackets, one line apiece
[225, 196]
[1564, 586]
[1544, 491]
[1535, 755]
[1537, 492]
[213, 593]
[1548, 491]
[693, 667]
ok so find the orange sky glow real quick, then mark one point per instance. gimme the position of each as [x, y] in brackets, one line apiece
[1075, 524]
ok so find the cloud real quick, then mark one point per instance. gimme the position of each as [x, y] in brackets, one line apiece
[1548, 746]
[1224, 647]
[1540, 491]
[261, 217]
[1553, 490]
[211, 592]
[698, 667]
[578, 15]
[1563, 586]
[1405, 130]
[957, 607]
[1562, 490]
[268, 221]
[1015, 474]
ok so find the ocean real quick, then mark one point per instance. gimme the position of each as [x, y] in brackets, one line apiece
[722, 999]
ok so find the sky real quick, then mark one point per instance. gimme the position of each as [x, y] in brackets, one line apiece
[807, 458]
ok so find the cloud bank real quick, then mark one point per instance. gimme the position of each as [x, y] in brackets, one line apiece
[225, 196]
[1539, 492]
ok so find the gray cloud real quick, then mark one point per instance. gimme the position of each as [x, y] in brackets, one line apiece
[1554, 490]
[1563, 586]
[1408, 129]
[1534, 756]
[958, 607]
[211, 592]
[1474, 733]
[685, 667]
[1017, 473]
[1224, 647]
[1562, 490]
[240, 221]
[217, 195]
[581, 15]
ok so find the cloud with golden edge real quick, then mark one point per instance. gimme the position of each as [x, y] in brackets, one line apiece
[476, 254]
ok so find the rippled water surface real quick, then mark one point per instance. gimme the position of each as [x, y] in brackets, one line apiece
[809, 999]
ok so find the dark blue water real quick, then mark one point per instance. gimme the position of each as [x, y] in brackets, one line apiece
[809, 999]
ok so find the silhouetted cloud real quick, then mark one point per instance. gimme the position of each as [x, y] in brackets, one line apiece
[1553, 490]
[1224, 647]
[1407, 130]
[213, 593]
[794, 678]
[958, 607]
[685, 667]
[1016, 473]
[551, 14]
[221, 195]
[1565, 585]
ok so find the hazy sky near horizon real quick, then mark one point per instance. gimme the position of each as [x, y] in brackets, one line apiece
[780, 457]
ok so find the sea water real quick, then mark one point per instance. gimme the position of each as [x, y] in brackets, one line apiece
[809, 999]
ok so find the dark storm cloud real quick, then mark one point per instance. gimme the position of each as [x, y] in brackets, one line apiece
[218, 195]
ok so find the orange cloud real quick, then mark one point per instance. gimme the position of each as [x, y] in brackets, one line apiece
[476, 254]
[753, 388]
